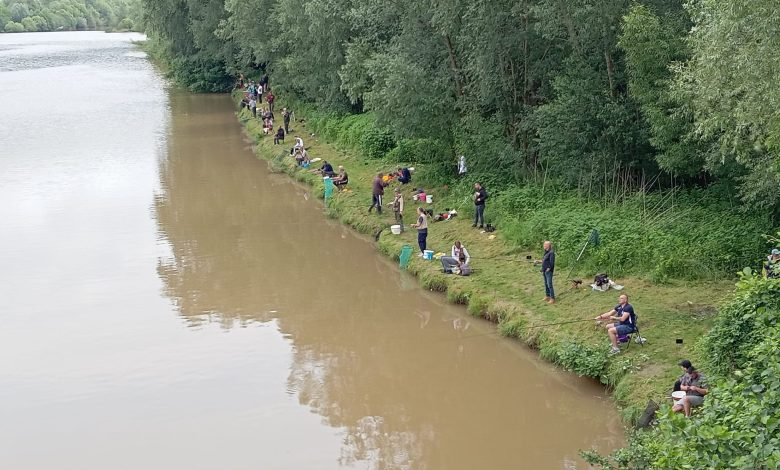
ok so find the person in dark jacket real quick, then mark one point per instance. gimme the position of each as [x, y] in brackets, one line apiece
[480, 195]
[325, 170]
[377, 191]
[279, 137]
[404, 175]
[548, 268]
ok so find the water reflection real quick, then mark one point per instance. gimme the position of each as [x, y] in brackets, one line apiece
[411, 382]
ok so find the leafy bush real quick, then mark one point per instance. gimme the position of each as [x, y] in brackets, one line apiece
[200, 74]
[13, 27]
[582, 359]
[696, 236]
[376, 142]
[741, 324]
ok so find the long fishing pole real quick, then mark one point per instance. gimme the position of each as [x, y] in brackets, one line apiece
[494, 333]
[560, 323]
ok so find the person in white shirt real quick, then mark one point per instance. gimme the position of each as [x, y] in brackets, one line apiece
[460, 258]
[298, 143]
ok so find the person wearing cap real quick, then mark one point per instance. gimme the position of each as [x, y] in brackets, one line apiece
[772, 265]
[685, 364]
[695, 387]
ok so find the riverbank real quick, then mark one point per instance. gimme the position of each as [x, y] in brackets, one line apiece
[510, 293]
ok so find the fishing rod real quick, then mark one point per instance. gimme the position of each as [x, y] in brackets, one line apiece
[503, 258]
[560, 323]
[494, 333]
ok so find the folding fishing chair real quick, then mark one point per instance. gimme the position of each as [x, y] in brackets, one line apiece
[627, 338]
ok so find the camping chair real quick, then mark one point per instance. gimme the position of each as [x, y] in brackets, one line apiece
[627, 338]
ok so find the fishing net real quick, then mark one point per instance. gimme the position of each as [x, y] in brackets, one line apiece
[329, 188]
[406, 255]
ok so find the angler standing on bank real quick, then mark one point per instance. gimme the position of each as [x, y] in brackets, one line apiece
[548, 268]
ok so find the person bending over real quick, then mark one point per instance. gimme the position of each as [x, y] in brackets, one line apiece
[460, 257]
[403, 175]
[625, 322]
[326, 169]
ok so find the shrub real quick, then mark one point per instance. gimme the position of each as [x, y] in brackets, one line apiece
[582, 359]
[741, 323]
[694, 238]
[13, 27]
[376, 142]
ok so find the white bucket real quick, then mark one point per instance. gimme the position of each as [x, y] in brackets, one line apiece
[396, 229]
[428, 254]
[429, 199]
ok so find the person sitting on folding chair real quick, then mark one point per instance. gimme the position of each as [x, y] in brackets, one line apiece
[625, 323]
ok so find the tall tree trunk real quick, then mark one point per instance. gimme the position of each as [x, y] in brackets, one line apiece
[456, 75]
[610, 72]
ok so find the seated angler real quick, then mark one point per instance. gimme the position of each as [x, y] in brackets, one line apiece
[695, 388]
[279, 137]
[460, 258]
[325, 170]
[342, 179]
[625, 321]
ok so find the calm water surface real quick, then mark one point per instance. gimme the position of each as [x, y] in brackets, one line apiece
[167, 303]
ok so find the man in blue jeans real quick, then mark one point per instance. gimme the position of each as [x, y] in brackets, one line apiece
[548, 268]
[479, 205]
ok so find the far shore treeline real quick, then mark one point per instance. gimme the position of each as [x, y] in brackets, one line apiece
[20, 16]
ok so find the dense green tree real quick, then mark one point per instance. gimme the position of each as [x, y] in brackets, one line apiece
[54, 15]
[13, 27]
[652, 47]
[606, 96]
[19, 11]
[730, 81]
[5, 16]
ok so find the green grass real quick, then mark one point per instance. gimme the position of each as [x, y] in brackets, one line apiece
[510, 293]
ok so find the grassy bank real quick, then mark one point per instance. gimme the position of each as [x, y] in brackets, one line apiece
[507, 289]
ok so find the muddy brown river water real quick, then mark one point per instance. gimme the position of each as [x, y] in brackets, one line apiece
[167, 303]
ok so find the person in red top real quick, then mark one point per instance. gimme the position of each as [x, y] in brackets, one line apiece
[270, 99]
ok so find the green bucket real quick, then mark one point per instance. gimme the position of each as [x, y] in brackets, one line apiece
[406, 255]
